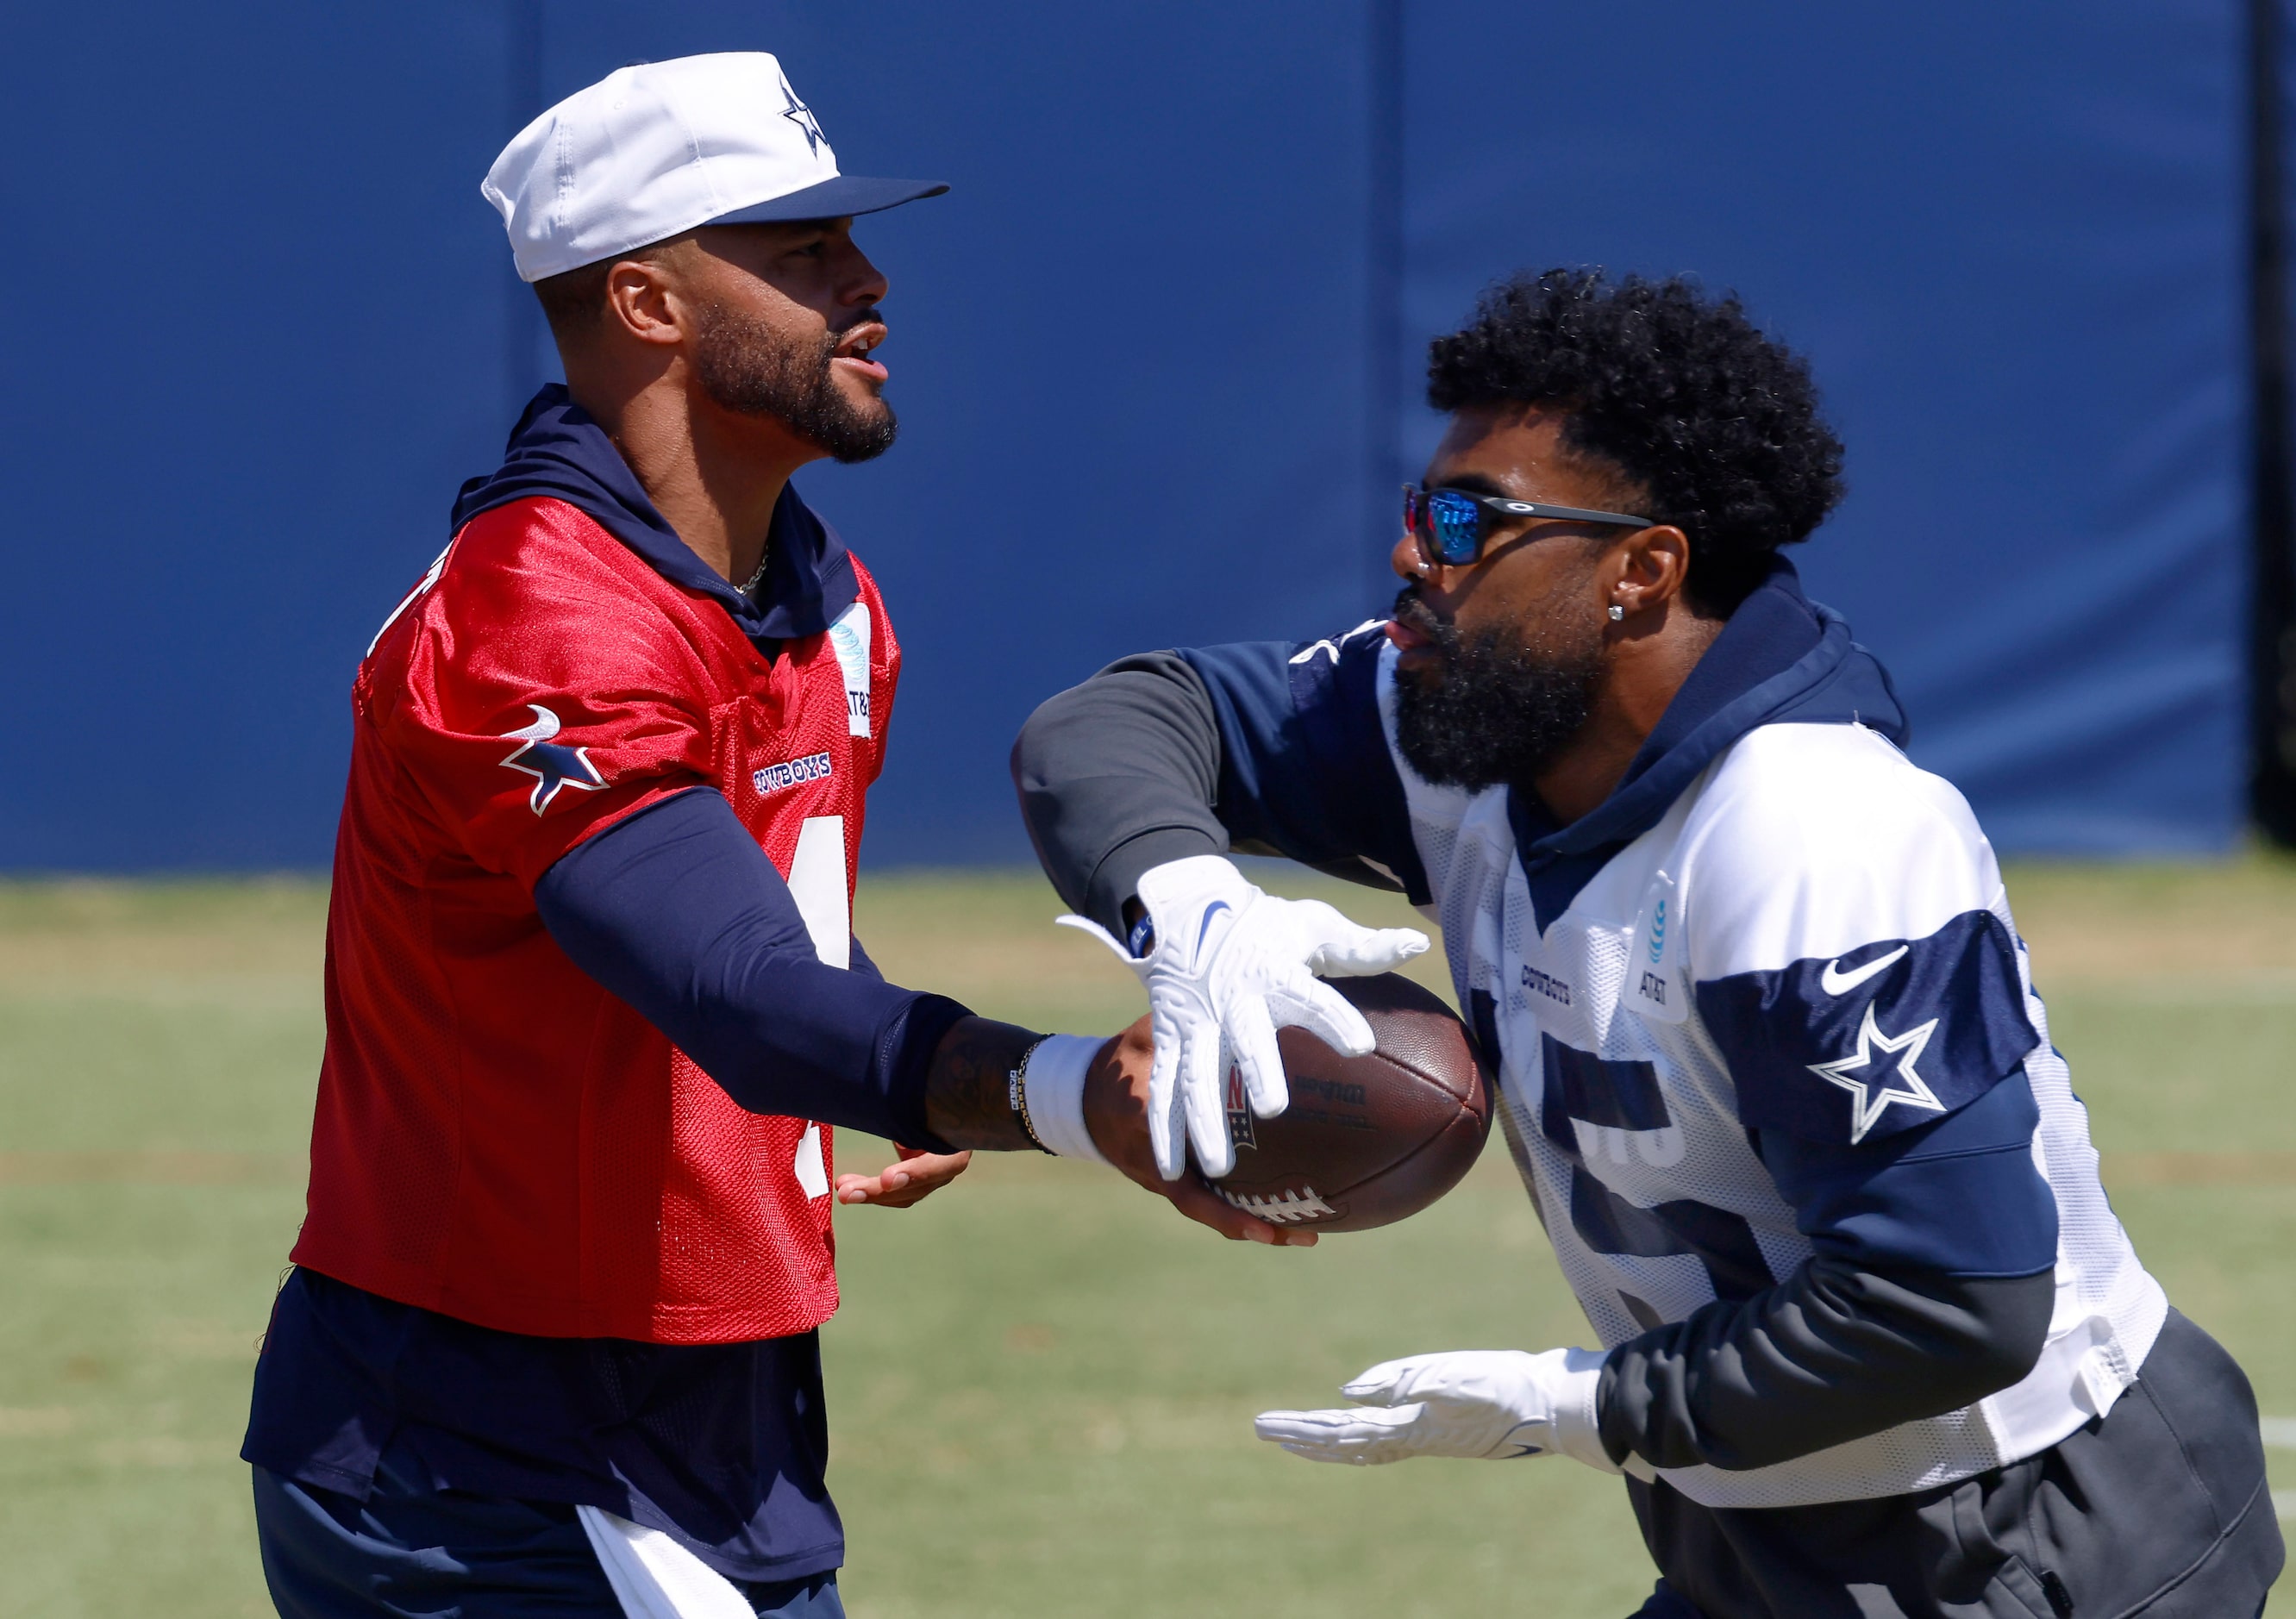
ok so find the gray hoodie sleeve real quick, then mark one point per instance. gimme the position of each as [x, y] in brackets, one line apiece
[1120, 775]
[1261, 747]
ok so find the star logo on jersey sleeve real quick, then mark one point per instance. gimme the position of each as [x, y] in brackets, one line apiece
[552, 765]
[1881, 1072]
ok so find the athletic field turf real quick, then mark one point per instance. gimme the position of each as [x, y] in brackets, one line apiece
[1042, 1383]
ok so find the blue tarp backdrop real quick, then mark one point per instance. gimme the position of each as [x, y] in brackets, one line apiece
[1156, 356]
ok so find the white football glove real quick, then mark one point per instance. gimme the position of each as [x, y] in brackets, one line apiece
[1231, 965]
[1489, 1404]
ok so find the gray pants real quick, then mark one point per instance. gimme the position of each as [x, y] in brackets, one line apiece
[2159, 1509]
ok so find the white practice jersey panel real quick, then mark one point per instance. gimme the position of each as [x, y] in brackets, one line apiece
[1814, 939]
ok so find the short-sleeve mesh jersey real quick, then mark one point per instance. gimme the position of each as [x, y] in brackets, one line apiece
[1814, 937]
[497, 1138]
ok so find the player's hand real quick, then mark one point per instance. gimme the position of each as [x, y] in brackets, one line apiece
[1230, 966]
[1115, 1089]
[916, 1177]
[1486, 1403]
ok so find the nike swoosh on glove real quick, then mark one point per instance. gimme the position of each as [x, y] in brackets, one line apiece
[1232, 965]
[1488, 1405]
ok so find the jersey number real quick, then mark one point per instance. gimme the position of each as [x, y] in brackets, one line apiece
[1624, 1098]
[816, 881]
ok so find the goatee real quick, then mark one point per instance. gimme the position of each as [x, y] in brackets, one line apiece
[748, 366]
[1497, 707]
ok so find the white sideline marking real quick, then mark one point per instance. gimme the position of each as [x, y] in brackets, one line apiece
[2280, 1433]
[2275, 990]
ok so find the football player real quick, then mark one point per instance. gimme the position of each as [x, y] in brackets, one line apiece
[592, 1000]
[1770, 1060]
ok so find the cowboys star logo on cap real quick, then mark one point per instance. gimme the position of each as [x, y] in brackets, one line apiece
[801, 115]
[551, 764]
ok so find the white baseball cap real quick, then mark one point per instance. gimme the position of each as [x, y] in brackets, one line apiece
[660, 147]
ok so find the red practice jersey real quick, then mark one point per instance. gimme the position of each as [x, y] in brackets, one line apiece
[498, 1138]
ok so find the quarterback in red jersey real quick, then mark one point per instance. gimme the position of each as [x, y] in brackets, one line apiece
[594, 1005]
[550, 685]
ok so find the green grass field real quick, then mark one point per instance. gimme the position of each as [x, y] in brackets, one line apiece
[1042, 1383]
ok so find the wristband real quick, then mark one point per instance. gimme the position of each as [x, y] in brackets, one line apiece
[1051, 1087]
[1577, 1412]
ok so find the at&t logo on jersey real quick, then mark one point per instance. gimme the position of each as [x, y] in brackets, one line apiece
[789, 772]
[849, 638]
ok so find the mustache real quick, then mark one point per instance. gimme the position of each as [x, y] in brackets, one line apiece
[1412, 612]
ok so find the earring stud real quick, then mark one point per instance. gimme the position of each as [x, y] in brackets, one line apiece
[1617, 613]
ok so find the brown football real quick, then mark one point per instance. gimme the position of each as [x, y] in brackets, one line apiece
[1366, 1140]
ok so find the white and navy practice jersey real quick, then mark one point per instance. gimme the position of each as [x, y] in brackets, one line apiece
[1724, 1006]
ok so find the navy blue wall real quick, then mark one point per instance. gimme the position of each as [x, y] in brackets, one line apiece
[267, 325]
[255, 344]
[2010, 239]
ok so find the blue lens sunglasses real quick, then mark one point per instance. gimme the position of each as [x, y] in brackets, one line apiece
[1452, 526]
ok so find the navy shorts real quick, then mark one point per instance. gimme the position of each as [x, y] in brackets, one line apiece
[411, 1553]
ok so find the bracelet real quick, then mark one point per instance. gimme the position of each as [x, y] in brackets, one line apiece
[1016, 1094]
[1142, 939]
[1052, 1088]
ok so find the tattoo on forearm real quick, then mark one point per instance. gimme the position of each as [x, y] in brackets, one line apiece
[967, 1102]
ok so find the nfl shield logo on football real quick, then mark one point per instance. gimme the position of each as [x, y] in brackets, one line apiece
[1239, 1110]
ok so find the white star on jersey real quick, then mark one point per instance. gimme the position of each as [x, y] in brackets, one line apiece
[1867, 1101]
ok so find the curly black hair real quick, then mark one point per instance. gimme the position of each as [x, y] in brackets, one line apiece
[1714, 425]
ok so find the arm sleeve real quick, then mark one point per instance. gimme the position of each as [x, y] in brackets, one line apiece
[676, 911]
[1264, 748]
[1931, 1287]
[1117, 776]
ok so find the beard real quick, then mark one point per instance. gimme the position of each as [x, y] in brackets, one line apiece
[1500, 706]
[748, 366]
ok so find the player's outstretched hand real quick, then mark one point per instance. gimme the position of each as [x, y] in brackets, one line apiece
[1229, 966]
[1491, 1404]
[916, 1177]
[1116, 1091]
